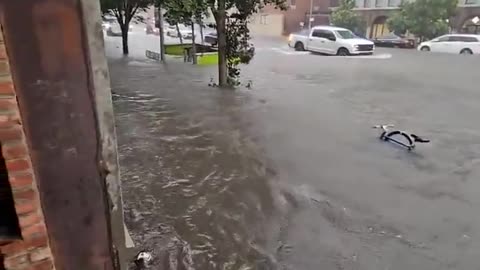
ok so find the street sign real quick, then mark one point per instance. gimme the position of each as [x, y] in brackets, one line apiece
[152, 55]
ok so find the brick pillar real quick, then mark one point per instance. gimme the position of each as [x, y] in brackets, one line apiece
[32, 251]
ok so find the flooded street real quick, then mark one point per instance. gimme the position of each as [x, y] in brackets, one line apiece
[290, 175]
[191, 173]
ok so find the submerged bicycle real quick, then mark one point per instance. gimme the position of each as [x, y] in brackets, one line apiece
[393, 136]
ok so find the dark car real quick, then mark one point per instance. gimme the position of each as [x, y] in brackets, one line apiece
[360, 35]
[394, 41]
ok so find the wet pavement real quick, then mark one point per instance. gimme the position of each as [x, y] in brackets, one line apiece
[290, 175]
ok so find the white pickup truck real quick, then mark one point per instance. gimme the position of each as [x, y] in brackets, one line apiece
[331, 40]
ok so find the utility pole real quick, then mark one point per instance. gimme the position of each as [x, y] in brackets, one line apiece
[160, 32]
[310, 15]
[194, 46]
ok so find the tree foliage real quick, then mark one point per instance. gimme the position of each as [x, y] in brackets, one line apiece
[344, 16]
[187, 12]
[231, 17]
[239, 49]
[397, 23]
[424, 18]
[124, 11]
[184, 11]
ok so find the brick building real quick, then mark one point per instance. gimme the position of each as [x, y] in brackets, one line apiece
[23, 236]
[60, 199]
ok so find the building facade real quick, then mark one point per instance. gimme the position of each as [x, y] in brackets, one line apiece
[274, 22]
[376, 13]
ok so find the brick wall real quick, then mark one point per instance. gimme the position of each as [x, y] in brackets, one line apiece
[32, 252]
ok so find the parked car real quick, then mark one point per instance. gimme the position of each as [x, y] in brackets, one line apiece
[150, 29]
[186, 34]
[394, 41]
[107, 21]
[331, 40]
[458, 44]
[361, 35]
[211, 38]
[114, 30]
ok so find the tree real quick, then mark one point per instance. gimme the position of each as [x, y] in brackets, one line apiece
[231, 17]
[124, 11]
[159, 5]
[344, 16]
[175, 15]
[424, 18]
[187, 12]
[397, 23]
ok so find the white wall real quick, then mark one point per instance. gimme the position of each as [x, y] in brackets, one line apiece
[266, 24]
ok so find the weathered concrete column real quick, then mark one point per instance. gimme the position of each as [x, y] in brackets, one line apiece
[61, 81]
[106, 124]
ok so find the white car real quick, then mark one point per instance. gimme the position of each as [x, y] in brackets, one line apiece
[186, 34]
[458, 44]
[331, 40]
[114, 30]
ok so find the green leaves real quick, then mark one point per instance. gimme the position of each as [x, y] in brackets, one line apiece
[185, 11]
[423, 18]
[345, 16]
[238, 49]
[398, 23]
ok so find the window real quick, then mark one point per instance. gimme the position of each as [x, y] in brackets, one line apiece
[345, 34]
[391, 3]
[323, 34]
[329, 35]
[443, 39]
[471, 2]
[293, 4]
[378, 3]
[263, 19]
[334, 3]
[317, 33]
[390, 36]
[463, 39]
[454, 38]
[9, 229]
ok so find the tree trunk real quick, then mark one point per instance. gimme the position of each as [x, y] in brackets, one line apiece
[201, 31]
[220, 18]
[194, 46]
[178, 33]
[124, 30]
[161, 33]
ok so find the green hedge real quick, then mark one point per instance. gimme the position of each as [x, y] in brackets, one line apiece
[176, 49]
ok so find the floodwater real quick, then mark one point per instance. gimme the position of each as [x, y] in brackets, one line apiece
[290, 175]
[193, 177]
